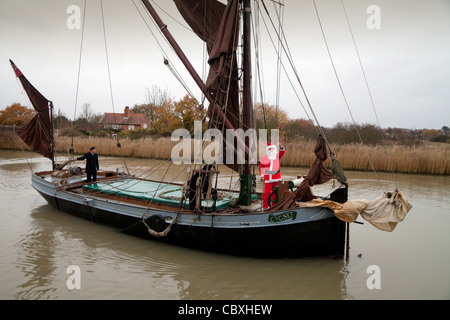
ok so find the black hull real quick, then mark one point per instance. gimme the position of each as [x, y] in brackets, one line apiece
[324, 237]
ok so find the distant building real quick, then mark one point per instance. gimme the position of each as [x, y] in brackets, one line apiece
[124, 121]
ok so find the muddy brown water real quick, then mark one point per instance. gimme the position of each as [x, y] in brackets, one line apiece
[39, 245]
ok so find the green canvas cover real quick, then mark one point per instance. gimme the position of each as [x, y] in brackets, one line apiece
[160, 192]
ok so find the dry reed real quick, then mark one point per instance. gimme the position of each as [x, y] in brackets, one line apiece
[428, 158]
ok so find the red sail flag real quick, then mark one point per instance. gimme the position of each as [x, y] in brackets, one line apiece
[37, 133]
[16, 70]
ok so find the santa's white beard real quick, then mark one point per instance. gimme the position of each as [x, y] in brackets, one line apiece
[271, 154]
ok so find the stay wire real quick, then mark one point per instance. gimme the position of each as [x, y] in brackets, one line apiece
[343, 94]
[110, 84]
[165, 56]
[289, 57]
[367, 84]
[280, 25]
[259, 68]
[78, 77]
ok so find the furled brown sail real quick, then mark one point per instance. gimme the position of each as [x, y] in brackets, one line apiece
[218, 25]
[37, 133]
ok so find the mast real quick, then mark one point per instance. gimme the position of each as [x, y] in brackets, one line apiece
[193, 73]
[247, 105]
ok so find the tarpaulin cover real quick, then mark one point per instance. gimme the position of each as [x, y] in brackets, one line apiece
[384, 212]
[147, 190]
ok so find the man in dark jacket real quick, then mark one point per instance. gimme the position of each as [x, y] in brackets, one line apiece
[91, 164]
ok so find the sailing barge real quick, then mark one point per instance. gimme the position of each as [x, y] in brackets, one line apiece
[160, 211]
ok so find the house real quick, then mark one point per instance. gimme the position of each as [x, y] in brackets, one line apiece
[124, 121]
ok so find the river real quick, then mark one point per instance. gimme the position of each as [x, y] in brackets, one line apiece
[39, 244]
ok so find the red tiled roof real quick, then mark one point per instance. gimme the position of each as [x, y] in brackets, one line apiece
[118, 118]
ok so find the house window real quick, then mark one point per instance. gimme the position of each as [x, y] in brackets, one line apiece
[130, 127]
[115, 126]
[145, 126]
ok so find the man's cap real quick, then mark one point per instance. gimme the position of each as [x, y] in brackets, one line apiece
[92, 148]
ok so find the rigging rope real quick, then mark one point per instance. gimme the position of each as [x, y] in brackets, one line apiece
[165, 56]
[110, 84]
[71, 150]
[280, 24]
[343, 94]
[366, 82]
[258, 66]
[290, 60]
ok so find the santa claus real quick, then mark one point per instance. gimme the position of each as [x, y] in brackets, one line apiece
[269, 170]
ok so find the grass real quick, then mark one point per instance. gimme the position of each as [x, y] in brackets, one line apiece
[427, 158]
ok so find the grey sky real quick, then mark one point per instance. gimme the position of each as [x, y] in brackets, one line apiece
[406, 61]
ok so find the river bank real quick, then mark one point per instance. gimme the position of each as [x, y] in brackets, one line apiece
[426, 158]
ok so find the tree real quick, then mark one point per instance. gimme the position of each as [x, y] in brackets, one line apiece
[16, 114]
[61, 121]
[433, 135]
[164, 119]
[86, 112]
[187, 111]
[300, 128]
[154, 98]
[87, 122]
[270, 117]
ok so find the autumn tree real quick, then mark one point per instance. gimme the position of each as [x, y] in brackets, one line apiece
[164, 118]
[187, 111]
[269, 117]
[434, 135]
[300, 128]
[16, 114]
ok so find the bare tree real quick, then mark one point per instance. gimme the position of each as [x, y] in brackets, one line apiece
[86, 112]
[154, 97]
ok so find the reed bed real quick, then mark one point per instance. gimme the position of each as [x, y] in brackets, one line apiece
[427, 158]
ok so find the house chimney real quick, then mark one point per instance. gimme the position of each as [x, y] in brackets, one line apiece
[126, 112]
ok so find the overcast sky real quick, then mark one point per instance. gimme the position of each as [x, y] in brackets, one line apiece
[405, 54]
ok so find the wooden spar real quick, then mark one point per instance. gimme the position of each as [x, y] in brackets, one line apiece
[52, 135]
[245, 194]
[247, 109]
[193, 73]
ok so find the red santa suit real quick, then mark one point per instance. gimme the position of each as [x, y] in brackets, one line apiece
[269, 169]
